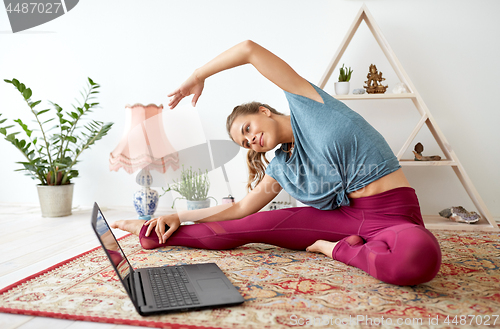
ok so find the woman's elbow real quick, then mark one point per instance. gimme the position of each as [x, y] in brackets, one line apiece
[248, 47]
[243, 209]
[248, 44]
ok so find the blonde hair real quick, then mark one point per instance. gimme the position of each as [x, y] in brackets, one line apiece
[256, 161]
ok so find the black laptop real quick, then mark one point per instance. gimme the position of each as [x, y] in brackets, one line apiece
[169, 288]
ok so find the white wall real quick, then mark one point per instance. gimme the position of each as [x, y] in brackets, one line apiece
[141, 50]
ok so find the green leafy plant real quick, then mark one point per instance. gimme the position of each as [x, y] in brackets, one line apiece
[345, 74]
[51, 158]
[193, 185]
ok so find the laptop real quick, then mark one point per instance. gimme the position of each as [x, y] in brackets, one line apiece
[170, 288]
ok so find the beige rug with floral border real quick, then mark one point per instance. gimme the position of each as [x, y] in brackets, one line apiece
[282, 288]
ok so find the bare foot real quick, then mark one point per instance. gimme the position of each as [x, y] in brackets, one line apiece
[130, 225]
[322, 246]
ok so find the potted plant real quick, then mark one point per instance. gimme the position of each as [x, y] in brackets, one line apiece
[51, 159]
[342, 87]
[192, 186]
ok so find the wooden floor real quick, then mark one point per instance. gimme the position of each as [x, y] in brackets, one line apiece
[30, 244]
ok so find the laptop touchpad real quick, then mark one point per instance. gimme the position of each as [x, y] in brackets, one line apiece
[212, 284]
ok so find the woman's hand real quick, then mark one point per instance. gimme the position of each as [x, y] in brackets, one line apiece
[172, 221]
[192, 86]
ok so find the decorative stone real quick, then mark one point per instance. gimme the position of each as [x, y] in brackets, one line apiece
[400, 88]
[358, 91]
[460, 214]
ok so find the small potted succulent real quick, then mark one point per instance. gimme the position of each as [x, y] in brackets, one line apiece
[51, 158]
[193, 186]
[343, 86]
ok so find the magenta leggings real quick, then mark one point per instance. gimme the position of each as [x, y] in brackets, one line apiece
[384, 235]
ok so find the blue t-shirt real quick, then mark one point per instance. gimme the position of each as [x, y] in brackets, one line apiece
[336, 152]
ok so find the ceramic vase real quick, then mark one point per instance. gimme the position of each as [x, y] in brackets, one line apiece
[55, 200]
[342, 87]
[146, 202]
[146, 199]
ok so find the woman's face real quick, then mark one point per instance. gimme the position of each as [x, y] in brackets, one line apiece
[258, 132]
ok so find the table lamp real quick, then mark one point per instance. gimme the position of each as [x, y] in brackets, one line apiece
[144, 145]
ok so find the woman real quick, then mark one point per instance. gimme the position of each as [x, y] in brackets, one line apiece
[363, 211]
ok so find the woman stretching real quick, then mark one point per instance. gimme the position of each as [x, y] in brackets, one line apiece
[362, 211]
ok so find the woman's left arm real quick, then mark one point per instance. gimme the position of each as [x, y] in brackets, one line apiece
[248, 52]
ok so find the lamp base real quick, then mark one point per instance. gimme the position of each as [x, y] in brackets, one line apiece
[146, 202]
[146, 199]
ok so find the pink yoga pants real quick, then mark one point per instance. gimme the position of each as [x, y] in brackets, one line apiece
[384, 235]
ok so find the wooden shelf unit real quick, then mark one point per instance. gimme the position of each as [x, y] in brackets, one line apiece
[487, 223]
[435, 222]
[413, 163]
[374, 96]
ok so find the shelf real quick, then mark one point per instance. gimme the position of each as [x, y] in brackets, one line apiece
[413, 163]
[434, 222]
[374, 96]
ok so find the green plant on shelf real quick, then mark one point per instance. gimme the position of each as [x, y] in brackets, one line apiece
[345, 74]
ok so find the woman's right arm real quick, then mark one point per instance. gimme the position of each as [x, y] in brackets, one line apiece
[254, 201]
[268, 64]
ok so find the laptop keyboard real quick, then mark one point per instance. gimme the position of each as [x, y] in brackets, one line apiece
[169, 287]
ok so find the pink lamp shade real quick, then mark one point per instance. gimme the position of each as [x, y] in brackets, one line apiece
[144, 143]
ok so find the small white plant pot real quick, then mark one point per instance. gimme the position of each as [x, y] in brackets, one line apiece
[342, 88]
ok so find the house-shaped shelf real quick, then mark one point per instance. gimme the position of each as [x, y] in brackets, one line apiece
[432, 221]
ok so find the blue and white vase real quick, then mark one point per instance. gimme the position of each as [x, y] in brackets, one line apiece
[146, 202]
[146, 199]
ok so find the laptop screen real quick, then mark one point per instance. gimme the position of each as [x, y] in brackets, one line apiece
[111, 246]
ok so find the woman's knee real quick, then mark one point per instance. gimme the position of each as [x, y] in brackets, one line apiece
[418, 257]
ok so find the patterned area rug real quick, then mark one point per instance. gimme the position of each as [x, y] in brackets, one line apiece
[282, 289]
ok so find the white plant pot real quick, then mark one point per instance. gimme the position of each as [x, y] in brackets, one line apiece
[193, 205]
[55, 200]
[342, 88]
